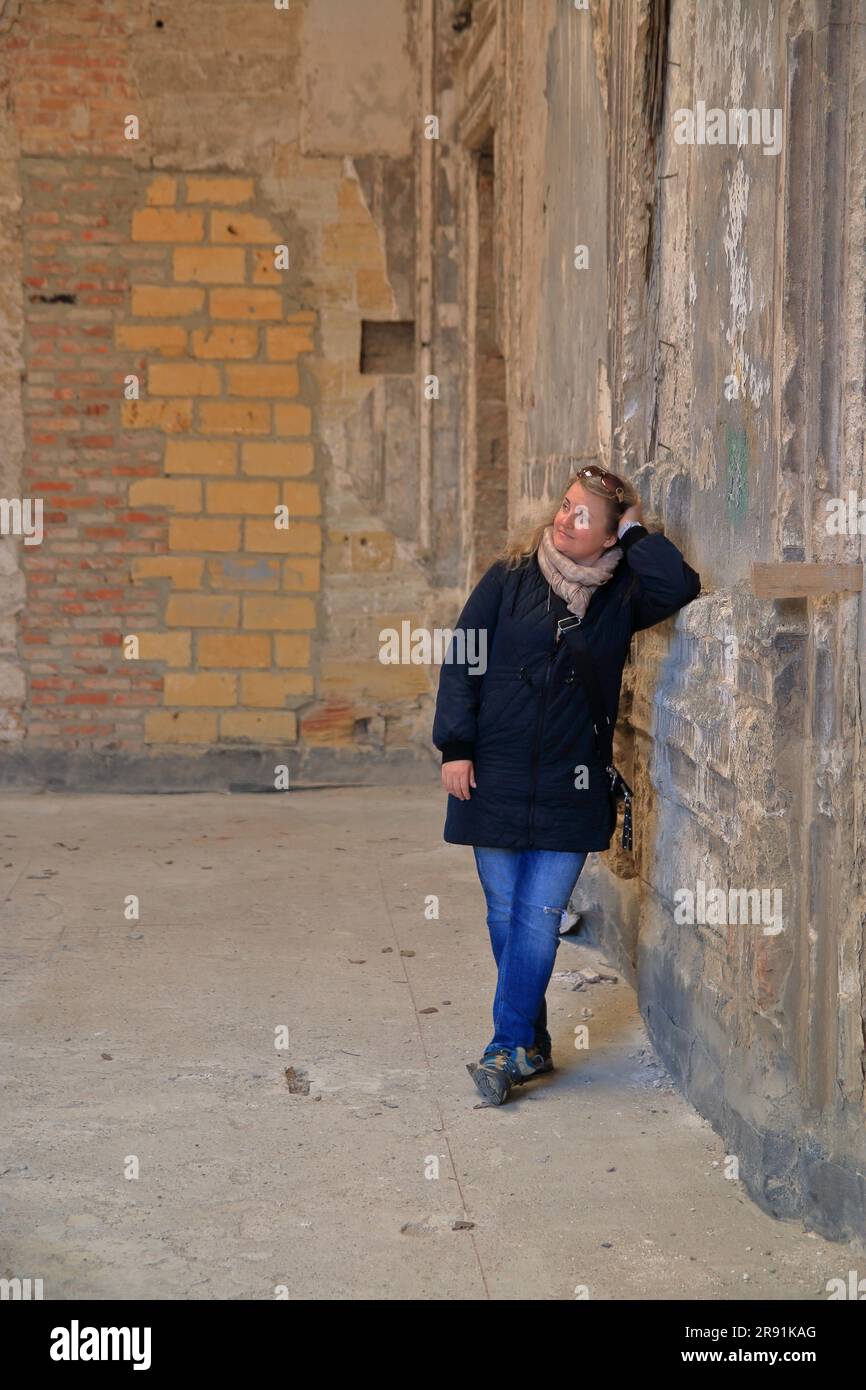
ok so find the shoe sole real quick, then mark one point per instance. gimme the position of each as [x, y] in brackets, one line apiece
[484, 1085]
[486, 1088]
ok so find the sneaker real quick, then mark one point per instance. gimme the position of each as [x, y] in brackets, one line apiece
[499, 1072]
[541, 1058]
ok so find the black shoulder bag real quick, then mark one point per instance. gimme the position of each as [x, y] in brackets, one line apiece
[585, 672]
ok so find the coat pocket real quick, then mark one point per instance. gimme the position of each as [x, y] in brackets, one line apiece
[502, 691]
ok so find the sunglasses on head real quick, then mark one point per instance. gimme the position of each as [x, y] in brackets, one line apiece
[610, 482]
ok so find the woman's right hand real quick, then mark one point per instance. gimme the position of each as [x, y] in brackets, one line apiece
[458, 777]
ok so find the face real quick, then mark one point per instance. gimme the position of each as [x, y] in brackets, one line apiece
[580, 527]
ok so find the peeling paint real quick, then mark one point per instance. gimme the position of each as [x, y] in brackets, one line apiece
[737, 484]
[742, 291]
[705, 461]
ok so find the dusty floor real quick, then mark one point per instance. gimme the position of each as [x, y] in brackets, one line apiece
[154, 1040]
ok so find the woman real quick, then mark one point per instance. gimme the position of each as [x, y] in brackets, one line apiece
[521, 760]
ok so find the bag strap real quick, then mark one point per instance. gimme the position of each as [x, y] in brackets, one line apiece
[585, 672]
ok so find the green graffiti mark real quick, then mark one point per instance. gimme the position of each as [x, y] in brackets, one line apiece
[737, 483]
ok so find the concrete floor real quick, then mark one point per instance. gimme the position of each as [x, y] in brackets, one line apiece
[156, 1040]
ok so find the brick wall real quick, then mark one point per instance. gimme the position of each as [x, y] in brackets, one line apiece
[162, 523]
[166, 384]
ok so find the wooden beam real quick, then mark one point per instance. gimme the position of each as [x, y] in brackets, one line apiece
[794, 579]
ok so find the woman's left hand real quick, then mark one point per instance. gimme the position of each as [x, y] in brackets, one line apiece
[632, 514]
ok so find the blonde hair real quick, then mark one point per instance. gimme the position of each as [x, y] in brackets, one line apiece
[525, 541]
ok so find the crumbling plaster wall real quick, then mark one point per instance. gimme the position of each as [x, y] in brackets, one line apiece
[563, 305]
[747, 727]
[727, 312]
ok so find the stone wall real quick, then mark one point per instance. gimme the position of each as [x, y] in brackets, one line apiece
[710, 343]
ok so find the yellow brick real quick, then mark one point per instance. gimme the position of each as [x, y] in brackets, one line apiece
[251, 499]
[264, 270]
[183, 379]
[210, 265]
[185, 572]
[331, 725]
[230, 417]
[292, 419]
[374, 550]
[178, 494]
[242, 227]
[198, 533]
[285, 342]
[277, 460]
[241, 727]
[154, 302]
[351, 206]
[302, 572]
[257, 380]
[161, 191]
[246, 572]
[229, 191]
[263, 690]
[263, 610]
[175, 417]
[214, 456]
[238, 650]
[291, 649]
[201, 610]
[374, 680]
[171, 647]
[209, 689]
[167, 224]
[246, 304]
[302, 316]
[187, 726]
[355, 246]
[338, 554]
[301, 538]
[151, 337]
[302, 499]
[231, 340]
[373, 292]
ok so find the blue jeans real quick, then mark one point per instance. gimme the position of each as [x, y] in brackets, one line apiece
[527, 891]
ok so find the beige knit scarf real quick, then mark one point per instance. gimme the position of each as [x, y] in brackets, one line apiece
[574, 583]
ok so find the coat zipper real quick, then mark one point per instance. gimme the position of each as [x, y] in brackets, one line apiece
[536, 749]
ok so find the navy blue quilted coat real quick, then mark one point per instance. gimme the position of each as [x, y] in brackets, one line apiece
[525, 722]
